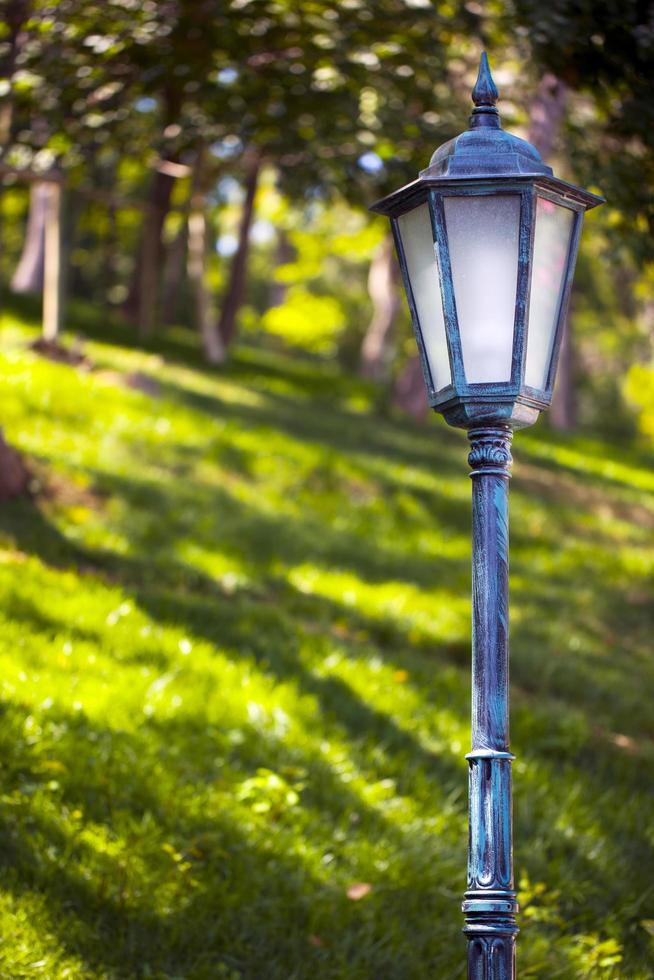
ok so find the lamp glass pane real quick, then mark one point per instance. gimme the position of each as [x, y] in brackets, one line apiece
[551, 249]
[482, 233]
[418, 243]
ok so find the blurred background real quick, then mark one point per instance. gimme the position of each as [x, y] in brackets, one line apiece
[212, 164]
[234, 545]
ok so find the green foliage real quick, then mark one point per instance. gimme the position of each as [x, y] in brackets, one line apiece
[268, 793]
[323, 310]
[597, 959]
[606, 51]
[639, 389]
[304, 320]
[234, 675]
[106, 91]
[315, 89]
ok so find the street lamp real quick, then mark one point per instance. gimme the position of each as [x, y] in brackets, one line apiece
[487, 240]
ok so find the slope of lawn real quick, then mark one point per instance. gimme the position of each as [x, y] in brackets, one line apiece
[234, 664]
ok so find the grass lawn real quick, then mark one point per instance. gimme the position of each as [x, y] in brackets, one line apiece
[234, 676]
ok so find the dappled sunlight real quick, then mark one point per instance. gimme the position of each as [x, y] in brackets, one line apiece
[438, 615]
[236, 648]
[591, 458]
[237, 546]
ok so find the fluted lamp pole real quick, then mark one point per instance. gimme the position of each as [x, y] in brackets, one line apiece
[487, 239]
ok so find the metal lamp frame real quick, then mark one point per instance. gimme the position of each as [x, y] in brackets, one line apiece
[514, 402]
[485, 160]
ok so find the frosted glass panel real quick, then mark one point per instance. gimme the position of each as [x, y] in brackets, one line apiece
[551, 246]
[483, 238]
[418, 242]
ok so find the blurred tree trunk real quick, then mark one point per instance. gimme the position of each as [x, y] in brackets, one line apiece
[624, 277]
[198, 248]
[546, 116]
[174, 271]
[111, 253]
[14, 473]
[409, 392]
[53, 264]
[142, 303]
[376, 349]
[28, 277]
[563, 411]
[233, 296]
[177, 253]
[284, 253]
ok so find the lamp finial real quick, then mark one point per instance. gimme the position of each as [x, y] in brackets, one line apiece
[484, 96]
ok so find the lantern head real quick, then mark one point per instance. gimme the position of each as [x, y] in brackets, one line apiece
[487, 240]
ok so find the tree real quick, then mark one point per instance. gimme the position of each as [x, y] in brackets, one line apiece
[546, 118]
[52, 264]
[605, 51]
[600, 60]
[62, 103]
[336, 89]
[311, 91]
[142, 302]
[236, 280]
[198, 246]
[28, 277]
[385, 299]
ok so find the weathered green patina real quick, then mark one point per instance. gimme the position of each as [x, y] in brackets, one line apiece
[485, 161]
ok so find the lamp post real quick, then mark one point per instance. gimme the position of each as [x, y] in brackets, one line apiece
[487, 239]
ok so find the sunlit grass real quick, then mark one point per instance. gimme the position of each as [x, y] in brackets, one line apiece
[235, 679]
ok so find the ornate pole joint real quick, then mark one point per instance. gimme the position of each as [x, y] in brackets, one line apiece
[490, 450]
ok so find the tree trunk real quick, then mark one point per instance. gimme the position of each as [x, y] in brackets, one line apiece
[53, 277]
[212, 341]
[546, 114]
[284, 253]
[409, 392]
[563, 411]
[174, 272]
[14, 473]
[111, 252]
[28, 277]
[142, 304]
[382, 289]
[148, 300]
[545, 120]
[233, 296]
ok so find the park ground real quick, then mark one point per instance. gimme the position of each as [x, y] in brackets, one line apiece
[234, 669]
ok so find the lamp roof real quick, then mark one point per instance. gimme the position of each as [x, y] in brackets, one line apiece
[484, 151]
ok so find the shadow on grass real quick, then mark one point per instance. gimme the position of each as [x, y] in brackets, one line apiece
[263, 624]
[142, 871]
[251, 901]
